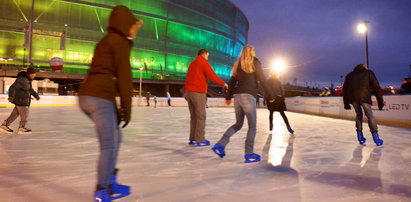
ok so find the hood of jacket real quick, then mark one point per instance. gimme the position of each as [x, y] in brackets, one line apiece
[121, 20]
[359, 67]
[23, 75]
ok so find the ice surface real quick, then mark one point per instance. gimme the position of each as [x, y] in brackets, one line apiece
[321, 162]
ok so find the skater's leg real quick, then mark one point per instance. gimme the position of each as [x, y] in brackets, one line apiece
[359, 115]
[24, 114]
[13, 116]
[371, 119]
[249, 107]
[199, 102]
[103, 113]
[284, 118]
[270, 118]
[188, 97]
[239, 116]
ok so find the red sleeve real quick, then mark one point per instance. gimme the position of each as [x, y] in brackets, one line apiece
[209, 72]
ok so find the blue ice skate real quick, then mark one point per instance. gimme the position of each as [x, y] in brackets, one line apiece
[219, 150]
[360, 137]
[203, 144]
[252, 158]
[290, 130]
[102, 195]
[118, 190]
[192, 142]
[377, 139]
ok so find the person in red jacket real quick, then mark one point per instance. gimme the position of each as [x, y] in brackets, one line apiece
[196, 85]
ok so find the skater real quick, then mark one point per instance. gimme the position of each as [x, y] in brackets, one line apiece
[110, 75]
[148, 95]
[196, 85]
[169, 99]
[357, 90]
[246, 72]
[155, 101]
[20, 93]
[279, 104]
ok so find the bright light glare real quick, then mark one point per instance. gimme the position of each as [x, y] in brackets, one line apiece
[362, 28]
[278, 66]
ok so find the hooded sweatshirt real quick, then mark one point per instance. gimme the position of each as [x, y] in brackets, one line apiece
[110, 71]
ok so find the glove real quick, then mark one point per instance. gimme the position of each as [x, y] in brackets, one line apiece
[11, 99]
[347, 106]
[380, 106]
[122, 116]
[37, 98]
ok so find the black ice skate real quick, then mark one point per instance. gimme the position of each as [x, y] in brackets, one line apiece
[6, 129]
[24, 131]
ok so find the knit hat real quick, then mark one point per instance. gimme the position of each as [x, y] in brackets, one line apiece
[31, 70]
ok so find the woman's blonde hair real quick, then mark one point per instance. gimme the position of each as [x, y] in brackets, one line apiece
[246, 59]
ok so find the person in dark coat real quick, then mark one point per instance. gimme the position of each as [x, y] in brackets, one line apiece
[247, 72]
[20, 93]
[279, 104]
[406, 86]
[110, 75]
[357, 90]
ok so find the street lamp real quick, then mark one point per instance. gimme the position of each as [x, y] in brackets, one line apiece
[141, 78]
[363, 28]
[278, 66]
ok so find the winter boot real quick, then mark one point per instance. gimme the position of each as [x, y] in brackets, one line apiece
[252, 158]
[377, 139]
[102, 195]
[118, 190]
[202, 144]
[271, 126]
[219, 150]
[290, 130]
[24, 131]
[6, 129]
[360, 137]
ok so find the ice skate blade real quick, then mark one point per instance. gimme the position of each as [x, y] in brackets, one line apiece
[24, 133]
[6, 132]
[120, 195]
[252, 161]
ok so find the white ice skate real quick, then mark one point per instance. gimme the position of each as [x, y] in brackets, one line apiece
[24, 131]
[6, 129]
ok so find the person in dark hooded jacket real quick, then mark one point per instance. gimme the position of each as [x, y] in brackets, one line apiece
[357, 90]
[108, 76]
[20, 93]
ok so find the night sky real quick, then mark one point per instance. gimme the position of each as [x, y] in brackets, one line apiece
[319, 39]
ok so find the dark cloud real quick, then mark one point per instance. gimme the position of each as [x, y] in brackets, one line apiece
[319, 38]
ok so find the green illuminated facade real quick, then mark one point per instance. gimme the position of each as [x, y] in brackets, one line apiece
[173, 32]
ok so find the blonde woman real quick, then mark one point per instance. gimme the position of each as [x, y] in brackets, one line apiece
[247, 72]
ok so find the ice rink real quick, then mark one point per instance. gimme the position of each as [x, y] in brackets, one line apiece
[321, 162]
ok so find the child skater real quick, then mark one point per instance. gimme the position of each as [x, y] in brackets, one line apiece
[246, 73]
[279, 104]
[109, 75]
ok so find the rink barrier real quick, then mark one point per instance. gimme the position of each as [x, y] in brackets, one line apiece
[396, 112]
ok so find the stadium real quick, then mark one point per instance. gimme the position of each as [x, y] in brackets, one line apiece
[173, 32]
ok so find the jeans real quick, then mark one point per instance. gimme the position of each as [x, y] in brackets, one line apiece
[104, 115]
[245, 106]
[368, 112]
[22, 111]
[197, 105]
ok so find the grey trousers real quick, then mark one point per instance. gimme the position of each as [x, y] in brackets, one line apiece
[372, 123]
[245, 106]
[197, 107]
[22, 111]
